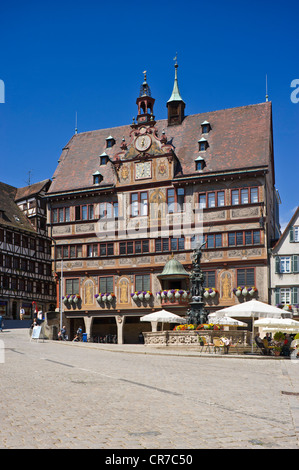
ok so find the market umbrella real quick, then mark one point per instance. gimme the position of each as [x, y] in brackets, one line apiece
[251, 309]
[278, 324]
[163, 316]
[225, 320]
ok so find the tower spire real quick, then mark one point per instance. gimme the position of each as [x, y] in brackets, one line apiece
[175, 104]
[267, 88]
[145, 104]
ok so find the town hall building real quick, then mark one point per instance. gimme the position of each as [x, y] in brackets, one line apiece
[128, 205]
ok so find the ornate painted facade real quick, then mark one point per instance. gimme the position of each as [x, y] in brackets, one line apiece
[126, 201]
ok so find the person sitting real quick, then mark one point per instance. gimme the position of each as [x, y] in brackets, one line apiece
[260, 344]
[286, 346]
[226, 343]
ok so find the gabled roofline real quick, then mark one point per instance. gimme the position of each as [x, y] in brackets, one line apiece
[296, 213]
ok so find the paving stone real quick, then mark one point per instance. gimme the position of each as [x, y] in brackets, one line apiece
[74, 395]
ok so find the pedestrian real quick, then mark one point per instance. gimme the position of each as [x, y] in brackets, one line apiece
[63, 333]
[22, 313]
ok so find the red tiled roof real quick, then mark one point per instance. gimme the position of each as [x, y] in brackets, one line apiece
[239, 138]
[31, 190]
[10, 214]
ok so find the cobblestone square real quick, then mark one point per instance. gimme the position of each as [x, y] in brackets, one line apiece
[62, 395]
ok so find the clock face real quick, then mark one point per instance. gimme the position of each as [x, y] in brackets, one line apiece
[143, 142]
[143, 170]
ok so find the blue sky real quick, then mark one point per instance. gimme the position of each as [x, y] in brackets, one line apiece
[59, 58]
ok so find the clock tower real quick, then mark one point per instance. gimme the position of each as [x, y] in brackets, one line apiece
[145, 103]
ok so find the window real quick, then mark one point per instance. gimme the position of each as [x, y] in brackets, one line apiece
[175, 199]
[169, 244]
[109, 210]
[97, 177]
[245, 277]
[235, 197]
[142, 282]
[202, 144]
[294, 234]
[106, 249]
[214, 240]
[285, 296]
[285, 264]
[139, 204]
[170, 200]
[103, 159]
[210, 279]
[8, 237]
[211, 199]
[134, 205]
[244, 196]
[220, 198]
[205, 127]
[202, 201]
[131, 247]
[254, 195]
[61, 214]
[110, 141]
[143, 204]
[72, 286]
[69, 251]
[199, 165]
[84, 212]
[249, 237]
[106, 284]
[92, 250]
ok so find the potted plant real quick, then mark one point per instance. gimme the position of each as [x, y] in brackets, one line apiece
[244, 291]
[177, 294]
[206, 293]
[147, 295]
[212, 292]
[277, 350]
[76, 298]
[184, 294]
[237, 291]
[140, 295]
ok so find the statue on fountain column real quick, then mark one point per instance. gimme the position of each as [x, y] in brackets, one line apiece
[197, 313]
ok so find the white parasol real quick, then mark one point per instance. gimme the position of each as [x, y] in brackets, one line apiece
[278, 324]
[225, 320]
[163, 316]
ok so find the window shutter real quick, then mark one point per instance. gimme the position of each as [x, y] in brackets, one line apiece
[277, 265]
[291, 234]
[277, 296]
[294, 295]
[294, 263]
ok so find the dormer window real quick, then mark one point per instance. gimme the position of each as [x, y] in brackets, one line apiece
[199, 164]
[203, 144]
[110, 141]
[205, 127]
[104, 159]
[97, 177]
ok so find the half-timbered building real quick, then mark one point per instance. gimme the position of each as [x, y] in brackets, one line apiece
[26, 280]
